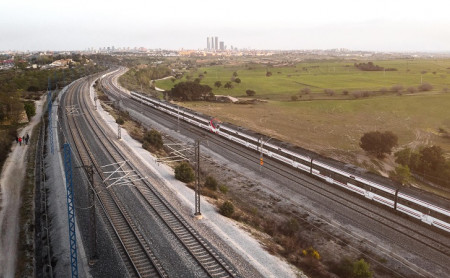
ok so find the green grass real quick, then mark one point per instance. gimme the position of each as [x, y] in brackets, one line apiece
[320, 75]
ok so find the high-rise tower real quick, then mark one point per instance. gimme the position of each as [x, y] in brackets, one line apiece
[216, 43]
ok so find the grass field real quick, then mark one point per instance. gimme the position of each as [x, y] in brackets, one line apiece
[320, 75]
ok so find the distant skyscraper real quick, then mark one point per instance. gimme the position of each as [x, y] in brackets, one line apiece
[208, 45]
[222, 46]
[216, 43]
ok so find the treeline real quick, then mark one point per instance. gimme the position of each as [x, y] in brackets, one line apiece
[34, 80]
[428, 162]
[140, 79]
[370, 66]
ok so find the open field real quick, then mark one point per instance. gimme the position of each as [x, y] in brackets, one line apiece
[320, 75]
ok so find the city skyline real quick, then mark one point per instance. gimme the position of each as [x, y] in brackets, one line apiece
[400, 26]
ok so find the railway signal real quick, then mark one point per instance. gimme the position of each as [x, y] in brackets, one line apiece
[261, 161]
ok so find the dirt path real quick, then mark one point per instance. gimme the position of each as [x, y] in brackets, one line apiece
[11, 182]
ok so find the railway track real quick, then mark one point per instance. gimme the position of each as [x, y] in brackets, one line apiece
[427, 240]
[200, 250]
[138, 257]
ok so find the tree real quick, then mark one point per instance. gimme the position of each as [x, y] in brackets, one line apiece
[411, 90]
[294, 98]
[432, 160]
[378, 143]
[184, 172]
[401, 174]
[228, 85]
[218, 84]
[402, 157]
[189, 91]
[250, 93]
[237, 80]
[30, 109]
[235, 74]
[268, 74]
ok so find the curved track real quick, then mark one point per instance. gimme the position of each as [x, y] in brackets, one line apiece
[144, 263]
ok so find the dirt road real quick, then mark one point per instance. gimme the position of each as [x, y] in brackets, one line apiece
[11, 182]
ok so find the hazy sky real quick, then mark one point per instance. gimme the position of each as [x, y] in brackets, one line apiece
[382, 25]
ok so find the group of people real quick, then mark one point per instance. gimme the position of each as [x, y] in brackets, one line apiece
[23, 139]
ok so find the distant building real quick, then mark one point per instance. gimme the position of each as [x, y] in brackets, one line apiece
[208, 44]
[216, 43]
[222, 46]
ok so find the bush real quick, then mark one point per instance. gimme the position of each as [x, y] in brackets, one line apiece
[411, 90]
[211, 183]
[237, 80]
[268, 74]
[397, 88]
[250, 93]
[184, 172]
[227, 209]
[154, 138]
[120, 121]
[294, 98]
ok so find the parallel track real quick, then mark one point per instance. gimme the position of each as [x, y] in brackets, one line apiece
[201, 251]
[141, 261]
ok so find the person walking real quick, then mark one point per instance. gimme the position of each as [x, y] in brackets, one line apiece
[20, 140]
[17, 139]
[27, 138]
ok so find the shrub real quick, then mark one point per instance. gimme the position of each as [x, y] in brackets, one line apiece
[154, 138]
[227, 209]
[268, 74]
[223, 189]
[311, 252]
[184, 172]
[294, 98]
[425, 87]
[237, 80]
[211, 183]
[345, 92]
[305, 90]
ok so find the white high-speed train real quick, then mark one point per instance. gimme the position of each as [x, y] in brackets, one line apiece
[381, 192]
